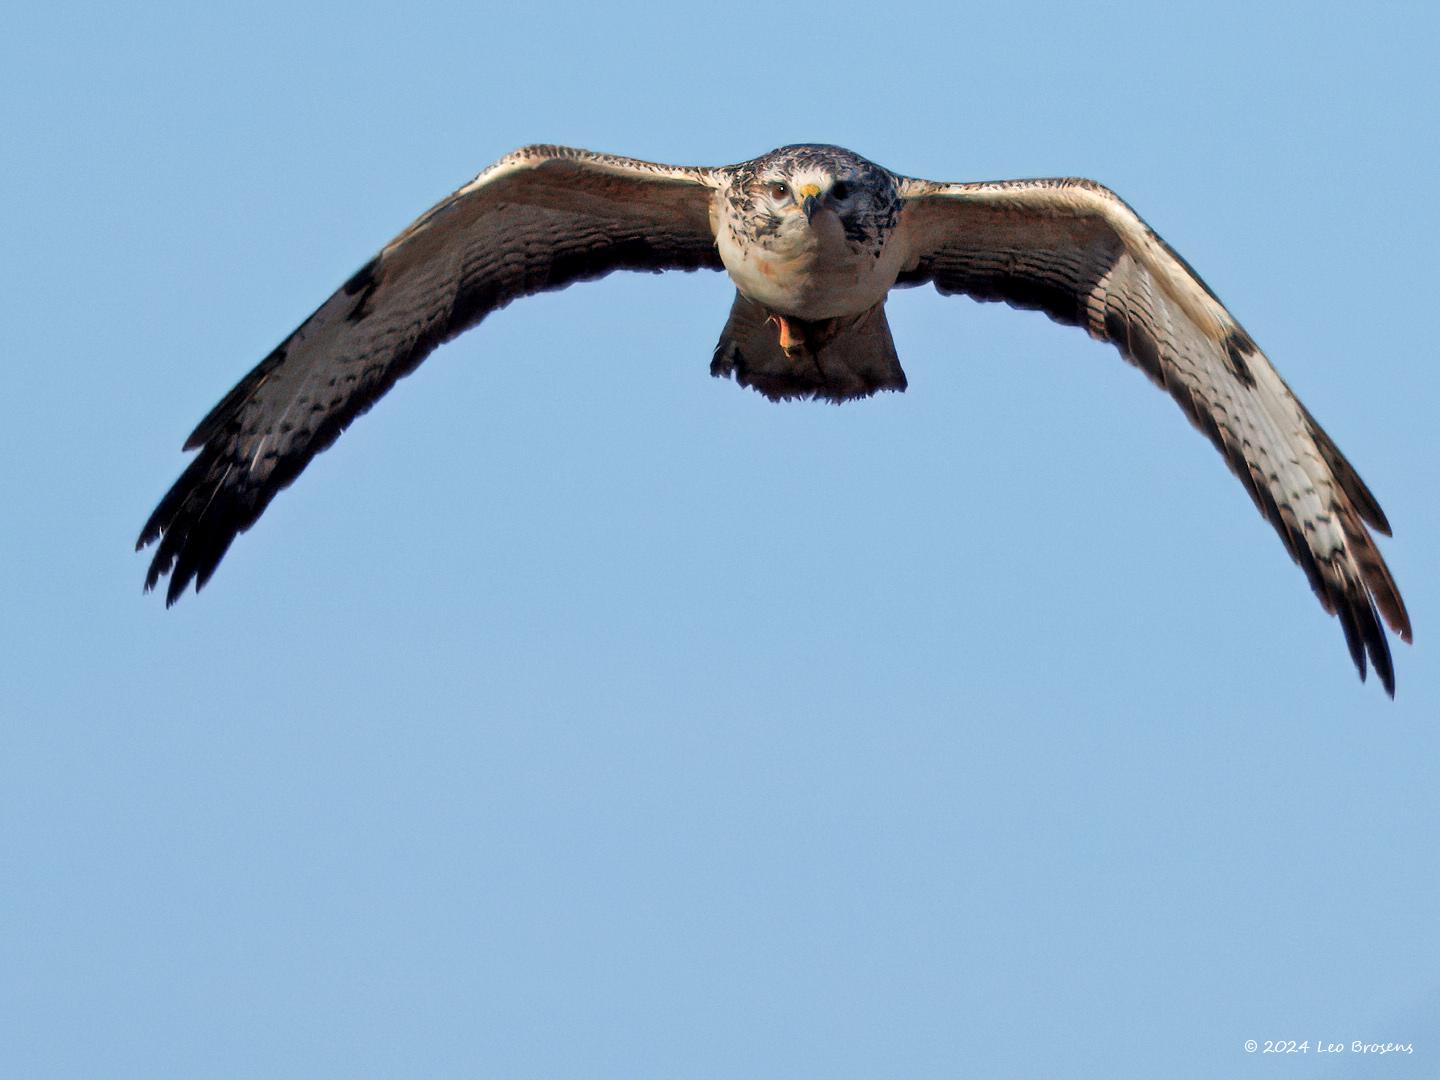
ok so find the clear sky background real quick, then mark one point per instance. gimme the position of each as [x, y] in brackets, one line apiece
[580, 715]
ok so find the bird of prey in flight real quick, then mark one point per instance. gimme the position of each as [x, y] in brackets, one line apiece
[814, 238]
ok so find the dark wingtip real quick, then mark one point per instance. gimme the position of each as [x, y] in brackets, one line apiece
[1366, 640]
[1384, 664]
[175, 590]
[1372, 513]
[150, 533]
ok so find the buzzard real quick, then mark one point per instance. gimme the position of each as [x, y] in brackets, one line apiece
[814, 238]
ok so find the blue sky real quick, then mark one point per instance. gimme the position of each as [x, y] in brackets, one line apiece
[581, 715]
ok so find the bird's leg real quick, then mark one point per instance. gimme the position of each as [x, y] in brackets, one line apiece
[792, 339]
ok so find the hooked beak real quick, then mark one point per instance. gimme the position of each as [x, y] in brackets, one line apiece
[809, 200]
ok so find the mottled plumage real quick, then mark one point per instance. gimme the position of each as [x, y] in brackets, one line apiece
[814, 238]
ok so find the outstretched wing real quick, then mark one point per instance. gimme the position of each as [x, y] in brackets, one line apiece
[1076, 251]
[539, 219]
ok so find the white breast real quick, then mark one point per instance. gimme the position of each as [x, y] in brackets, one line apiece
[809, 271]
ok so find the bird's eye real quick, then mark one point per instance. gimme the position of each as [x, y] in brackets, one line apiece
[779, 190]
[840, 190]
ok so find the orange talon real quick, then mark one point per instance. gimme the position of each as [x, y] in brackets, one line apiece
[790, 341]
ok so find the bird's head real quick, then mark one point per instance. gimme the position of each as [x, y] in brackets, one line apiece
[789, 190]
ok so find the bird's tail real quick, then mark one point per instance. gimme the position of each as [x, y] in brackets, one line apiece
[836, 359]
